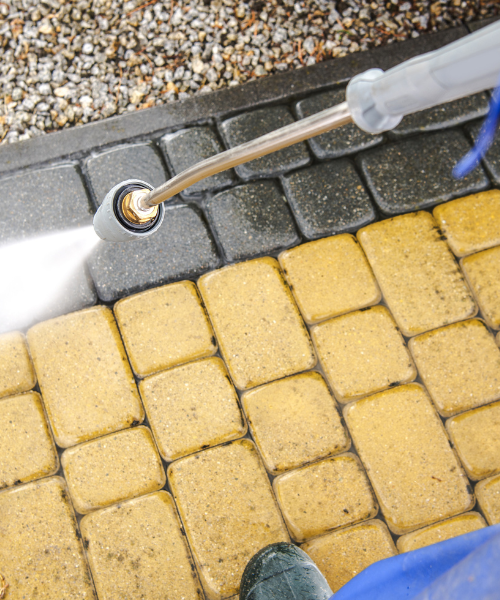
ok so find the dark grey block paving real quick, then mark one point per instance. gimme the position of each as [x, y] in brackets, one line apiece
[42, 201]
[328, 198]
[338, 142]
[185, 148]
[182, 248]
[250, 125]
[416, 173]
[133, 161]
[492, 159]
[446, 115]
[252, 219]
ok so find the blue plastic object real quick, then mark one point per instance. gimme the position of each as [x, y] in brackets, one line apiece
[464, 568]
[486, 136]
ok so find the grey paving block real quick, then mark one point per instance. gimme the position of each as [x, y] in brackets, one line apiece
[476, 25]
[492, 159]
[328, 198]
[132, 161]
[416, 173]
[250, 125]
[38, 203]
[183, 248]
[339, 142]
[446, 115]
[252, 219]
[187, 147]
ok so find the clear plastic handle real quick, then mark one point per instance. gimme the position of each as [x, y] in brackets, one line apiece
[378, 101]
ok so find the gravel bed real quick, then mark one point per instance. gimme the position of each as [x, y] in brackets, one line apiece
[68, 62]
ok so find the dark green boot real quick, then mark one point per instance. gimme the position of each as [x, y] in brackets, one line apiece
[283, 572]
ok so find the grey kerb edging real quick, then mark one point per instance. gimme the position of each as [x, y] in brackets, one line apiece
[74, 143]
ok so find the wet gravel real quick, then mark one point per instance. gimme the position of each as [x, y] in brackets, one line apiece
[64, 63]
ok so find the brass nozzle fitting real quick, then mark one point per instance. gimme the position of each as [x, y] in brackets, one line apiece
[132, 210]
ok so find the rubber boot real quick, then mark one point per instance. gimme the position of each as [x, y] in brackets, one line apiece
[283, 572]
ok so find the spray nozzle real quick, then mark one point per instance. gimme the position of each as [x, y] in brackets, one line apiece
[122, 217]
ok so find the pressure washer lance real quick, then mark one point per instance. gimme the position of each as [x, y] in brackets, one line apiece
[376, 101]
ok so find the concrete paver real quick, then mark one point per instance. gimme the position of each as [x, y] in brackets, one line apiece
[488, 498]
[492, 159]
[40, 550]
[261, 335]
[164, 327]
[341, 555]
[476, 437]
[192, 407]
[323, 496]
[228, 511]
[329, 277]
[112, 468]
[445, 530]
[26, 444]
[87, 385]
[16, 370]
[136, 549]
[362, 353]
[482, 270]
[459, 365]
[311, 430]
[417, 273]
[415, 474]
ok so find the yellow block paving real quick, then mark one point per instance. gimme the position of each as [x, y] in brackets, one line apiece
[112, 468]
[441, 531]
[27, 450]
[362, 353]
[403, 445]
[324, 496]
[482, 271]
[192, 407]
[228, 510]
[472, 223]
[137, 550]
[294, 421]
[488, 497]
[164, 327]
[459, 365]
[341, 555]
[261, 334]
[41, 555]
[329, 277]
[16, 371]
[476, 436]
[417, 273]
[87, 386]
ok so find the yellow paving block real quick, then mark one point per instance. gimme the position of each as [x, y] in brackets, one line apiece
[137, 550]
[323, 496]
[362, 353]
[329, 277]
[439, 532]
[472, 223]
[459, 365]
[112, 468]
[403, 445]
[192, 407]
[27, 450]
[164, 327]
[476, 436]
[417, 273]
[488, 497]
[261, 334]
[311, 429]
[482, 271]
[228, 510]
[16, 371]
[341, 555]
[87, 386]
[41, 555]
